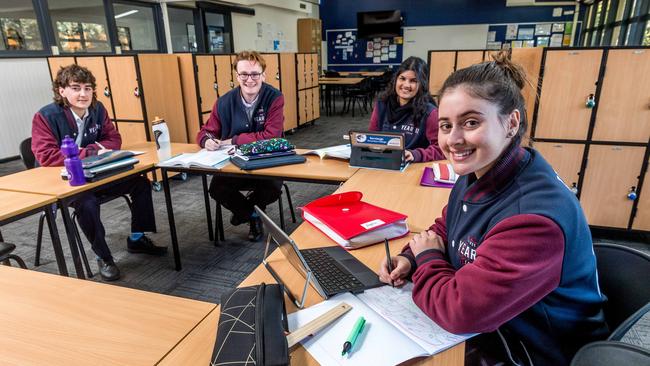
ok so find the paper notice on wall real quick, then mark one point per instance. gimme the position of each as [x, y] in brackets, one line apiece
[375, 60]
[384, 57]
[385, 42]
[516, 44]
[384, 50]
[511, 31]
[491, 36]
[556, 40]
[348, 34]
[392, 47]
[369, 46]
[392, 54]
[376, 39]
[369, 54]
[377, 45]
[557, 12]
[376, 53]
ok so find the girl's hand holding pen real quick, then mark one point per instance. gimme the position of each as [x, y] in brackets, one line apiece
[401, 268]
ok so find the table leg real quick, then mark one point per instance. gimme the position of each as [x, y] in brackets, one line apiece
[206, 199]
[170, 216]
[56, 241]
[74, 246]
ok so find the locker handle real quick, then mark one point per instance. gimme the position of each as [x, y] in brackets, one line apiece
[136, 92]
[232, 85]
[574, 188]
[591, 101]
[632, 194]
[277, 75]
[107, 92]
[215, 86]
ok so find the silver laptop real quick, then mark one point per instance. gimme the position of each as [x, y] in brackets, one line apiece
[330, 270]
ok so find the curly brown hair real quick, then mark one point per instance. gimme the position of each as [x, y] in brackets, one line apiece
[249, 56]
[72, 74]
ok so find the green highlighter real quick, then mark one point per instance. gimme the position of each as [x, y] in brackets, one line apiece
[354, 334]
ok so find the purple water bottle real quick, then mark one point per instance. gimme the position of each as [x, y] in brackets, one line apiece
[72, 163]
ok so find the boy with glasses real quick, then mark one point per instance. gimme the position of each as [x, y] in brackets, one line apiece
[77, 113]
[253, 111]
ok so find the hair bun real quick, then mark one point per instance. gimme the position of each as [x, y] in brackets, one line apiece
[503, 60]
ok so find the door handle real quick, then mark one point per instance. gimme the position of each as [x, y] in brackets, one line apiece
[632, 194]
[107, 92]
[591, 101]
[136, 92]
[215, 86]
[277, 75]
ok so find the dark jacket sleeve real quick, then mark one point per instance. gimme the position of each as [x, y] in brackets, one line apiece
[517, 264]
[213, 126]
[374, 120]
[273, 125]
[433, 151]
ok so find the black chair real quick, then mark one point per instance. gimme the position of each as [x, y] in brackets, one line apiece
[29, 160]
[623, 274]
[218, 218]
[331, 74]
[360, 94]
[5, 254]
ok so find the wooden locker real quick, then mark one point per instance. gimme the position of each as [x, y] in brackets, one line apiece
[233, 73]
[302, 105]
[97, 67]
[642, 218]
[225, 74]
[570, 77]
[314, 69]
[190, 98]
[316, 102]
[206, 80]
[564, 158]
[308, 80]
[301, 72]
[441, 65]
[468, 58]
[624, 106]
[611, 172]
[163, 96]
[131, 132]
[531, 61]
[272, 69]
[309, 105]
[288, 83]
[58, 62]
[205, 117]
[124, 88]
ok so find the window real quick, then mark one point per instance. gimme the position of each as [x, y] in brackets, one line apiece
[621, 9]
[589, 15]
[615, 35]
[181, 27]
[646, 35]
[79, 26]
[218, 35]
[136, 27]
[599, 11]
[19, 27]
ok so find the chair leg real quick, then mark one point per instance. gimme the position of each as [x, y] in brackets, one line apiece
[281, 208]
[18, 260]
[39, 240]
[82, 251]
[218, 224]
[293, 213]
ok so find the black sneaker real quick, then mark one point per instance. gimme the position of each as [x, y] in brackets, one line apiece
[236, 221]
[144, 245]
[108, 270]
[256, 229]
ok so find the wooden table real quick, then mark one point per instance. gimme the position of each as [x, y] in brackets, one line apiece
[54, 320]
[394, 190]
[362, 73]
[329, 84]
[17, 205]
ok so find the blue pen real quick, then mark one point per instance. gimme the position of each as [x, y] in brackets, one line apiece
[354, 334]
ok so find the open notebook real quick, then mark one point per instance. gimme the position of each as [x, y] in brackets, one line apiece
[203, 159]
[396, 329]
[338, 152]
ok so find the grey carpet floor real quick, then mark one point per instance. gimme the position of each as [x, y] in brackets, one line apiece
[208, 270]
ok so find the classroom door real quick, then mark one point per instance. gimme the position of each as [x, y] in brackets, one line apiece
[224, 72]
[124, 88]
[441, 65]
[624, 106]
[272, 69]
[207, 82]
[610, 174]
[468, 58]
[564, 158]
[98, 68]
[570, 78]
[642, 218]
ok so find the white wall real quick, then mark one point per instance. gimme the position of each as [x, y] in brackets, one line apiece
[419, 40]
[26, 87]
[277, 24]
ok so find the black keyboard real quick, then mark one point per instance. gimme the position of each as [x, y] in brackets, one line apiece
[332, 277]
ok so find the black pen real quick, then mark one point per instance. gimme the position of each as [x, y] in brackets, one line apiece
[389, 263]
[211, 137]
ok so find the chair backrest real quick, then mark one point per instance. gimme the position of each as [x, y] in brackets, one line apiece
[607, 353]
[26, 153]
[331, 73]
[624, 277]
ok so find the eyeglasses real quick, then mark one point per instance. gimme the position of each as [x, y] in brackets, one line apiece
[244, 77]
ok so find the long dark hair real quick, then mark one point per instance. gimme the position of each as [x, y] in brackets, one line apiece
[499, 82]
[422, 98]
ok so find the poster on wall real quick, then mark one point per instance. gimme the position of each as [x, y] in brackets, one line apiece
[556, 40]
[543, 29]
[511, 31]
[543, 41]
[558, 28]
[526, 33]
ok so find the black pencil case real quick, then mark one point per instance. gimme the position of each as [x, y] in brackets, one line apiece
[268, 162]
[252, 328]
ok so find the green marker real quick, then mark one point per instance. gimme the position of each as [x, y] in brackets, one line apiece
[354, 334]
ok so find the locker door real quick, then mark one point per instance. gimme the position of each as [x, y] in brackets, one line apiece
[642, 218]
[124, 88]
[564, 158]
[58, 62]
[308, 79]
[300, 59]
[316, 102]
[468, 58]
[314, 69]
[207, 81]
[570, 77]
[624, 106]
[131, 132]
[97, 67]
[272, 69]
[225, 81]
[302, 105]
[611, 172]
[531, 60]
[309, 105]
[441, 66]
[233, 73]
[288, 83]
